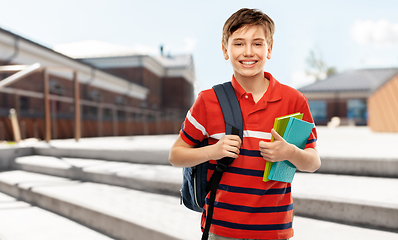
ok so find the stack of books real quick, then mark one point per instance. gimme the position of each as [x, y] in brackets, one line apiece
[295, 131]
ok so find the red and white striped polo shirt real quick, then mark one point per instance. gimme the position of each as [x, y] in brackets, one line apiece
[245, 205]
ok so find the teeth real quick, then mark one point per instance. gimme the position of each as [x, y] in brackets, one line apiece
[248, 62]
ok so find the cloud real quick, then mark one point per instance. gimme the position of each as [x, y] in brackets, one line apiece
[380, 33]
[190, 44]
[185, 45]
[301, 79]
[95, 48]
[379, 61]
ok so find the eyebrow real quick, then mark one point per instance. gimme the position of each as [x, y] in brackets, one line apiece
[243, 39]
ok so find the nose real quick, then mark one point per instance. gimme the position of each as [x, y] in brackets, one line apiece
[248, 51]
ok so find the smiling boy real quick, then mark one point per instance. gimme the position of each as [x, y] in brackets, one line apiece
[247, 207]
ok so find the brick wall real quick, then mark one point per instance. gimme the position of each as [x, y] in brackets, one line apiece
[177, 94]
[145, 78]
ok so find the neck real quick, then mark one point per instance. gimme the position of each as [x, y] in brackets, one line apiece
[256, 85]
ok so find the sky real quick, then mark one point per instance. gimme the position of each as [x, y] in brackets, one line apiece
[345, 34]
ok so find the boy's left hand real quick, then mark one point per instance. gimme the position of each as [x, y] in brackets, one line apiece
[276, 151]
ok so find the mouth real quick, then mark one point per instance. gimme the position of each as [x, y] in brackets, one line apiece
[248, 63]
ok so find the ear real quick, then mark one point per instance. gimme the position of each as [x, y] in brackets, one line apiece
[225, 52]
[269, 51]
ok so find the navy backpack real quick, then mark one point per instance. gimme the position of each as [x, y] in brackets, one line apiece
[195, 185]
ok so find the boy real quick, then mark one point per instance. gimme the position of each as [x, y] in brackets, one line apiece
[246, 207]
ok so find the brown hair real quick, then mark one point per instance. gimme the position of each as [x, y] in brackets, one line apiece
[249, 17]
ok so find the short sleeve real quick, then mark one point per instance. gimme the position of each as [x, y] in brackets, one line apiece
[312, 139]
[193, 129]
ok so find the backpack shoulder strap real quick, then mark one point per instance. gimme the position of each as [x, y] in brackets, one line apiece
[230, 108]
[233, 125]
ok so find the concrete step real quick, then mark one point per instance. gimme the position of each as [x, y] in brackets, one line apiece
[150, 178]
[20, 221]
[357, 151]
[314, 229]
[137, 149]
[342, 150]
[365, 201]
[118, 212]
[129, 214]
[360, 166]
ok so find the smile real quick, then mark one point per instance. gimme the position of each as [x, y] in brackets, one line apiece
[248, 62]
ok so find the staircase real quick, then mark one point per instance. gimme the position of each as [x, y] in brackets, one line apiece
[124, 188]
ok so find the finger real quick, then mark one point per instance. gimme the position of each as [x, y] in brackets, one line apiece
[233, 149]
[268, 157]
[276, 135]
[232, 138]
[236, 142]
[234, 153]
[236, 138]
[264, 145]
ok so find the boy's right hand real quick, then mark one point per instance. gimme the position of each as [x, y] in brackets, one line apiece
[227, 146]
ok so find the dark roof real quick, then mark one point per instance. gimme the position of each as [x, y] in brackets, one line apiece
[367, 80]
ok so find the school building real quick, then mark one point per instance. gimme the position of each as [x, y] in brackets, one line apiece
[110, 93]
[357, 97]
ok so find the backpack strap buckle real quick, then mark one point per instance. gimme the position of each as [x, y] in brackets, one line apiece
[221, 167]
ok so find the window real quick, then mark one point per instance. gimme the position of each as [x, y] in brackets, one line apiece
[24, 103]
[56, 87]
[95, 95]
[108, 114]
[121, 115]
[357, 110]
[120, 100]
[318, 110]
[92, 111]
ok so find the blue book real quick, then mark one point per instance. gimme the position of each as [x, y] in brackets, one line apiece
[280, 127]
[297, 133]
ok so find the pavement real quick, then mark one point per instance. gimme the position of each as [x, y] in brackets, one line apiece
[344, 141]
[131, 214]
[355, 143]
[22, 221]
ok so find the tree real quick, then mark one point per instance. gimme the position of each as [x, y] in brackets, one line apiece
[318, 67]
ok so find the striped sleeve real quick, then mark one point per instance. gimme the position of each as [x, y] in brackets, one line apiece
[193, 129]
[312, 139]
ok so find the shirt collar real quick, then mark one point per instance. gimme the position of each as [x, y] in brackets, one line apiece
[273, 93]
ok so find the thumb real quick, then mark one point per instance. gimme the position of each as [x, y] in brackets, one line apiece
[276, 135]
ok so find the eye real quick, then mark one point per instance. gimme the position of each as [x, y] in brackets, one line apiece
[238, 44]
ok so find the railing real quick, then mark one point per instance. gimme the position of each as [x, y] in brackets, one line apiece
[23, 71]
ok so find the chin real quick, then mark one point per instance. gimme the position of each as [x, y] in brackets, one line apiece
[251, 74]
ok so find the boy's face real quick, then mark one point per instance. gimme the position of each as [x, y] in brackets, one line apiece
[247, 49]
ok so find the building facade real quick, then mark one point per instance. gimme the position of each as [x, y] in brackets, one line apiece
[357, 97]
[117, 96]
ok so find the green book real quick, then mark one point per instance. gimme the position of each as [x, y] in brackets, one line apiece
[280, 124]
[297, 132]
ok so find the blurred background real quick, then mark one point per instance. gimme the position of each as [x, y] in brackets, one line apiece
[157, 55]
[98, 83]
